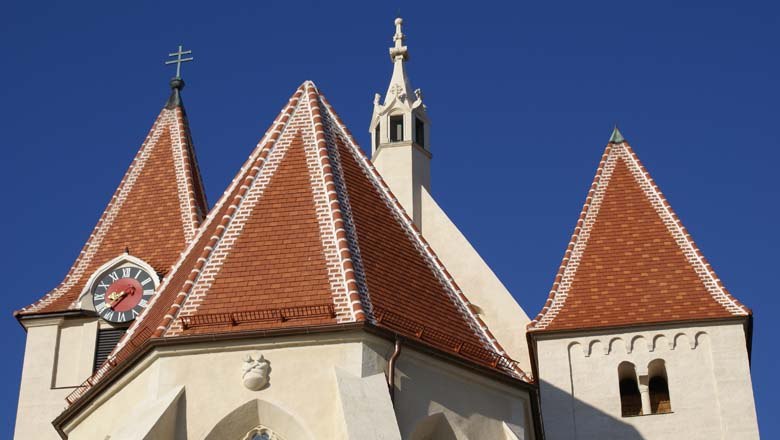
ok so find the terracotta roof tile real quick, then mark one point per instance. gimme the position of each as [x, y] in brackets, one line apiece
[630, 261]
[154, 212]
[308, 234]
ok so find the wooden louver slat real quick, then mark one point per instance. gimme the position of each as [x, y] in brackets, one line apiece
[106, 341]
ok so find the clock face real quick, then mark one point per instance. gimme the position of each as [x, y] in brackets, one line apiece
[122, 294]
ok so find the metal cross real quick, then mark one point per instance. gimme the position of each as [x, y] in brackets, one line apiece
[179, 59]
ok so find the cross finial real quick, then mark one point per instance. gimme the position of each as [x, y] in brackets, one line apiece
[399, 52]
[178, 60]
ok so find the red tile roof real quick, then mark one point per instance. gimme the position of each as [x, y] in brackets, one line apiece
[154, 213]
[308, 234]
[630, 261]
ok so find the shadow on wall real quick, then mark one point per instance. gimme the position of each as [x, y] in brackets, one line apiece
[577, 420]
[430, 405]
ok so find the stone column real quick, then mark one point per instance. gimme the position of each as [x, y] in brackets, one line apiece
[644, 391]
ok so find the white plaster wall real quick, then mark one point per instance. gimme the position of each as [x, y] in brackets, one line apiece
[58, 355]
[708, 375]
[315, 382]
[500, 311]
[475, 407]
[406, 170]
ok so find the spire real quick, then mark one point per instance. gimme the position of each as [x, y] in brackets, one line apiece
[616, 137]
[155, 212]
[400, 87]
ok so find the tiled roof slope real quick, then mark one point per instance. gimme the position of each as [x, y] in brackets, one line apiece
[154, 213]
[630, 261]
[308, 234]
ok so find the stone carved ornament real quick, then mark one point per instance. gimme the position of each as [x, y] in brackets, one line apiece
[255, 371]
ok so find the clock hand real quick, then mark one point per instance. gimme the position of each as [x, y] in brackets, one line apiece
[117, 297]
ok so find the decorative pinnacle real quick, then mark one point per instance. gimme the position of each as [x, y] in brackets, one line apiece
[399, 51]
[616, 137]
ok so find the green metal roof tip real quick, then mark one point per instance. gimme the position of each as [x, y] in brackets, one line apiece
[616, 137]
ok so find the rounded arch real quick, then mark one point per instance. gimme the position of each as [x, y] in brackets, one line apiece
[660, 341]
[639, 342]
[700, 338]
[254, 413]
[681, 340]
[617, 345]
[595, 346]
[630, 399]
[575, 348]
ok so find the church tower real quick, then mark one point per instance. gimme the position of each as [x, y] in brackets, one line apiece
[401, 152]
[400, 134]
[151, 218]
[639, 337]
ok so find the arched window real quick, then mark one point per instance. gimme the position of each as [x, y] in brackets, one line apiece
[630, 399]
[659, 387]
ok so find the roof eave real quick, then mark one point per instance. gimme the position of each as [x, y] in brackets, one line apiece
[74, 409]
[536, 333]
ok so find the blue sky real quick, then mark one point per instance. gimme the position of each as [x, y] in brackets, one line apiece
[522, 96]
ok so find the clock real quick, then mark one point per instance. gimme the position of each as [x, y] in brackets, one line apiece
[122, 294]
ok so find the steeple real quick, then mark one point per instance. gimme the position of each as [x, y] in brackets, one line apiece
[400, 135]
[154, 213]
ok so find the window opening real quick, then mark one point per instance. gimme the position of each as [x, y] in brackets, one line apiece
[396, 128]
[630, 399]
[419, 132]
[659, 388]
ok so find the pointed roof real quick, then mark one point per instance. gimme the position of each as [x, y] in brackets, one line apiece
[154, 213]
[308, 235]
[630, 261]
[399, 90]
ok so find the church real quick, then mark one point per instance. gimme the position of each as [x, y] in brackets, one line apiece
[326, 295]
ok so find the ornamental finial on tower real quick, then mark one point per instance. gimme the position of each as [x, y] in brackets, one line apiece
[399, 51]
[176, 82]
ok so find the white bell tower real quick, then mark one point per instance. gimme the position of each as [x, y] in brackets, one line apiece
[400, 134]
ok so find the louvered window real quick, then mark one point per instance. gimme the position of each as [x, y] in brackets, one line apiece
[106, 341]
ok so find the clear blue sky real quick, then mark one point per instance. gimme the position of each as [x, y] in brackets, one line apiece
[522, 96]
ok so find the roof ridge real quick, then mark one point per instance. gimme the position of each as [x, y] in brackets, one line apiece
[278, 128]
[265, 143]
[614, 152]
[337, 213]
[461, 300]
